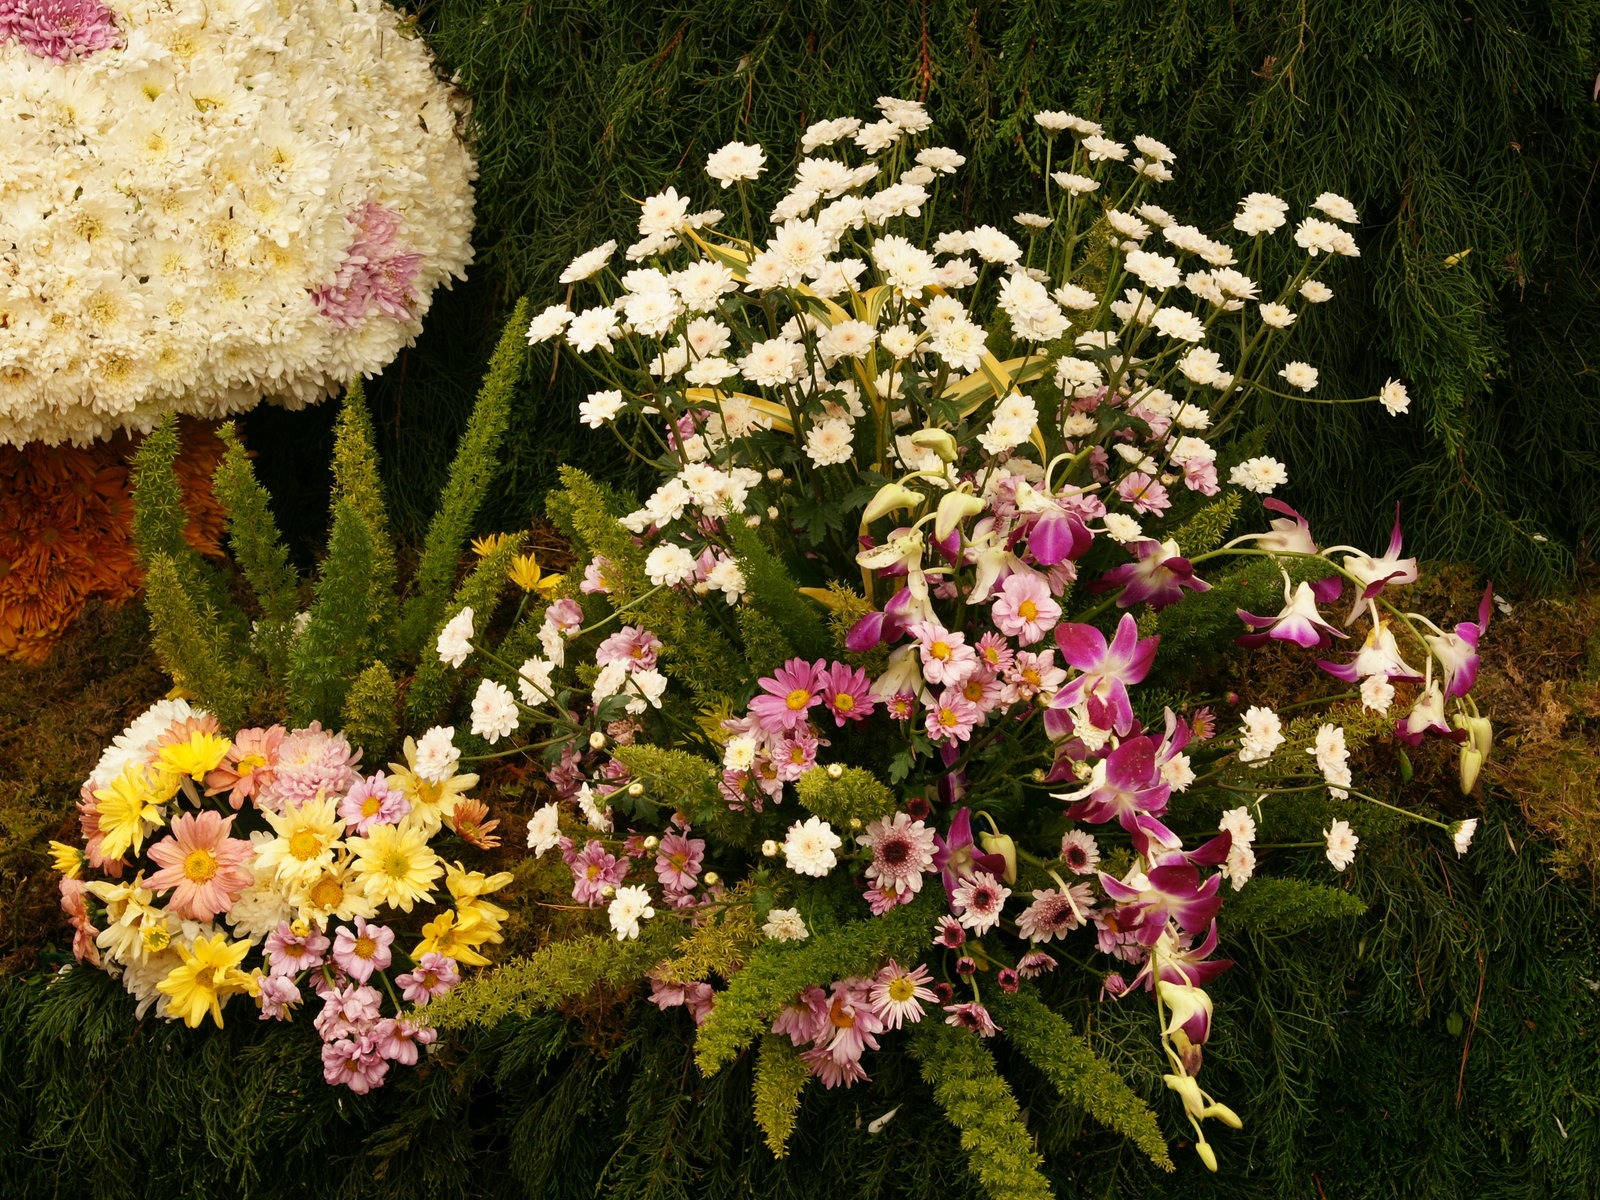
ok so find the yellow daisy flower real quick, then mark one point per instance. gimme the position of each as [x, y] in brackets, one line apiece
[135, 925]
[395, 865]
[203, 752]
[468, 889]
[308, 839]
[488, 544]
[525, 573]
[67, 859]
[448, 935]
[334, 895]
[208, 974]
[129, 809]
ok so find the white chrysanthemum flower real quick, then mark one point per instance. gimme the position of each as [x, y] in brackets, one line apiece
[668, 565]
[455, 639]
[600, 408]
[593, 328]
[494, 711]
[1260, 212]
[829, 443]
[825, 133]
[1078, 185]
[1240, 865]
[589, 263]
[1299, 374]
[1053, 120]
[1342, 842]
[544, 830]
[809, 846]
[1461, 835]
[735, 162]
[207, 206]
[1176, 323]
[1153, 150]
[1276, 315]
[1155, 271]
[1122, 528]
[1315, 291]
[1101, 148]
[1260, 475]
[1077, 299]
[1201, 365]
[437, 754]
[1260, 735]
[630, 906]
[1337, 207]
[1333, 759]
[1394, 397]
[1377, 693]
[534, 681]
[773, 363]
[548, 324]
[1240, 824]
[785, 925]
[663, 214]
[941, 159]
[1128, 225]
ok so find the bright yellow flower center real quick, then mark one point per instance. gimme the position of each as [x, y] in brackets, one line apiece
[844, 702]
[365, 947]
[327, 893]
[1027, 610]
[1031, 676]
[798, 699]
[249, 765]
[902, 989]
[370, 806]
[948, 718]
[157, 939]
[973, 690]
[591, 872]
[305, 845]
[200, 866]
[940, 650]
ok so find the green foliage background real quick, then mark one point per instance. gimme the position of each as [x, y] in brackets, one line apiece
[1453, 129]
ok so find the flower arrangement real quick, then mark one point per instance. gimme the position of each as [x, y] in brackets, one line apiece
[867, 721]
[65, 532]
[268, 864]
[211, 203]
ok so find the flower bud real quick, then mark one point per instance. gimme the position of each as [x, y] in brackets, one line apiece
[1001, 844]
[891, 497]
[1224, 1114]
[938, 440]
[1470, 764]
[651, 842]
[597, 740]
[710, 879]
[855, 822]
[769, 848]
[953, 509]
[608, 890]
[636, 789]
[835, 771]
[1207, 1155]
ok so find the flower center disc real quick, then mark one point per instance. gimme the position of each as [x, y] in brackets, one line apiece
[200, 866]
[305, 845]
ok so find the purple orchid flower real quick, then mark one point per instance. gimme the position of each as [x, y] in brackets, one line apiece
[956, 856]
[1379, 655]
[884, 627]
[1147, 900]
[1125, 785]
[1158, 577]
[1457, 651]
[1107, 672]
[1377, 573]
[1298, 621]
[1427, 717]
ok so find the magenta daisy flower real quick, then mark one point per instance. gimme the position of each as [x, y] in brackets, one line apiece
[1080, 852]
[902, 850]
[678, 861]
[946, 657]
[951, 717]
[948, 933]
[1055, 913]
[204, 867]
[1024, 608]
[1035, 963]
[788, 694]
[594, 870]
[847, 691]
[373, 801]
[973, 1016]
[979, 900]
[288, 953]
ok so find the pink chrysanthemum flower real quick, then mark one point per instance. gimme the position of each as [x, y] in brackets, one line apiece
[832, 1071]
[249, 765]
[288, 953]
[787, 696]
[902, 850]
[397, 1039]
[946, 657]
[1034, 963]
[355, 1062]
[74, 902]
[360, 951]
[805, 1019]
[277, 994]
[376, 274]
[995, 653]
[310, 760]
[847, 691]
[433, 976]
[949, 933]
[59, 29]
[973, 1016]
[980, 899]
[593, 870]
[898, 994]
[853, 1019]
[203, 865]
[349, 1011]
[373, 801]
[1024, 608]
[634, 646]
[951, 717]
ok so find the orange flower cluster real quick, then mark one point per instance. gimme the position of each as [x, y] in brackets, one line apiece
[66, 530]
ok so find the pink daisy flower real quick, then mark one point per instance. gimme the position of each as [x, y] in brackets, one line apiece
[995, 653]
[204, 867]
[373, 801]
[805, 1019]
[249, 765]
[633, 645]
[833, 1072]
[1080, 852]
[902, 850]
[946, 657]
[973, 1016]
[847, 691]
[433, 976]
[1035, 963]
[1024, 608]
[898, 994]
[951, 717]
[788, 694]
[854, 1020]
[593, 870]
[949, 933]
[678, 861]
[362, 950]
[1055, 913]
[288, 953]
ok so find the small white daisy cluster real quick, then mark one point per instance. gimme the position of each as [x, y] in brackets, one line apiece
[212, 202]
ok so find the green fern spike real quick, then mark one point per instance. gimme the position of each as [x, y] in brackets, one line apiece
[772, 590]
[1207, 529]
[259, 550]
[472, 470]
[356, 480]
[674, 778]
[765, 646]
[371, 717]
[1082, 1077]
[191, 645]
[435, 683]
[1271, 905]
[781, 1075]
[979, 1103]
[336, 641]
[856, 794]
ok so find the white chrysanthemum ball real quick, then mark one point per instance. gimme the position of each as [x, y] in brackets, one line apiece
[214, 202]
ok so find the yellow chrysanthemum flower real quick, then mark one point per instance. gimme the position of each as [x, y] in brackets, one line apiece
[525, 573]
[489, 543]
[135, 926]
[449, 935]
[67, 859]
[203, 752]
[208, 974]
[429, 800]
[468, 889]
[129, 809]
[334, 895]
[308, 839]
[395, 865]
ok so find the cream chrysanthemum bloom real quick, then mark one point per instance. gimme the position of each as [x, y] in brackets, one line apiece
[212, 202]
[308, 838]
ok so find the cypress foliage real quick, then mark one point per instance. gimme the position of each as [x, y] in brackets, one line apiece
[370, 718]
[192, 644]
